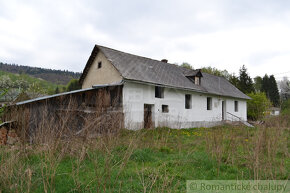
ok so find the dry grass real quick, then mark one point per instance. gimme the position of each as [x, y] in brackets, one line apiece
[158, 160]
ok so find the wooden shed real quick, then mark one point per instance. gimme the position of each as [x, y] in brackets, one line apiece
[82, 112]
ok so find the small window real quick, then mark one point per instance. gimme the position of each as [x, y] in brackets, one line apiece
[159, 92]
[165, 109]
[236, 106]
[187, 101]
[99, 64]
[209, 103]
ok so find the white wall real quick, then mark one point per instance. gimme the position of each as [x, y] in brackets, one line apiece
[135, 95]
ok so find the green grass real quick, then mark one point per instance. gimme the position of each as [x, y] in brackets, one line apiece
[159, 160]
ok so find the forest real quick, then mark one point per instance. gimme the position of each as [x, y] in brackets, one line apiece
[55, 76]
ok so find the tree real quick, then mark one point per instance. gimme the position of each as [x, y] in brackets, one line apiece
[257, 106]
[73, 85]
[36, 90]
[186, 65]
[285, 107]
[56, 90]
[234, 80]
[269, 86]
[273, 91]
[284, 86]
[258, 83]
[3, 92]
[265, 85]
[217, 72]
[245, 82]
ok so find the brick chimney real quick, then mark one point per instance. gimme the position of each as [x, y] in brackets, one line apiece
[164, 60]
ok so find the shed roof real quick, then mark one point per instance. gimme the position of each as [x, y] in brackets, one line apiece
[67, 93]
[138, 68]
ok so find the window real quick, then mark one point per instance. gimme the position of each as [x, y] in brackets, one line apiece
[159, 92]
[236, 106]
[187, 101]
[99, 64]
[165, 109]
[209, 103]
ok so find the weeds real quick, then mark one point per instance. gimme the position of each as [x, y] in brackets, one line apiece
[157, 160]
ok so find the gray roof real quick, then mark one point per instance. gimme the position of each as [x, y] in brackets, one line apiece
[137, 68]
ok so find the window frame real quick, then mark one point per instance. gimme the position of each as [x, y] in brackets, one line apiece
[236, 106]
[159, 92]
[188, 101]
[208, 103]
[165, 108]
[100, 64]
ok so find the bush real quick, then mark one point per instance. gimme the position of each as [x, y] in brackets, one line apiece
[285, 107]
[257, 106]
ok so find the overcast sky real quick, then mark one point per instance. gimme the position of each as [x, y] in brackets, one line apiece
[220, 33]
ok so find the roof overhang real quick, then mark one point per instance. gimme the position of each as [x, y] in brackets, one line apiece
[182, 88]
[89, 64]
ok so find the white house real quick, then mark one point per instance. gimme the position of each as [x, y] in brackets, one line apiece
[157, 93]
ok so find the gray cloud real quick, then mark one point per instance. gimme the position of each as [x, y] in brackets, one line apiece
[61, 34]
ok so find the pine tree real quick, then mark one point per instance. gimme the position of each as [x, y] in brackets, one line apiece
[234, 80]
[245, 83]
[265, 85]
[273, 91]
[270, 88]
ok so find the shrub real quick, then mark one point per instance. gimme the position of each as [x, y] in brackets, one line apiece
[285, 107]
[257, 106]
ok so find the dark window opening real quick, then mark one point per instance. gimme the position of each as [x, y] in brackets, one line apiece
[209, 103]
[99, 64]
[195, 79]
[236, 106]
[187, 101]
[159, 92]
[191, 78]
[165, 109]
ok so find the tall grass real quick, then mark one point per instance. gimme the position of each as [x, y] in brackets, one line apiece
[157, 160]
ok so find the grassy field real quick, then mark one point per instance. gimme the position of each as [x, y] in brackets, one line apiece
[158, 160]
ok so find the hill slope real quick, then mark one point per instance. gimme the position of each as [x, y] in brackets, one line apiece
[54, 76]
[28, 83]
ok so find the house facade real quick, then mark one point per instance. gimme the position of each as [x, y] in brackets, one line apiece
[156, 93]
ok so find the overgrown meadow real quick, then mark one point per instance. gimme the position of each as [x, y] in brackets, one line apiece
[157, 160]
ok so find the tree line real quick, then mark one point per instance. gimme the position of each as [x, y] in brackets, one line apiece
[51, 75]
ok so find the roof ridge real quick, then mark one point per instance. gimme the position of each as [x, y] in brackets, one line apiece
[137, 55]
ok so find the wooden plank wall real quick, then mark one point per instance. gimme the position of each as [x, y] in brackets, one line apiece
[89, 113]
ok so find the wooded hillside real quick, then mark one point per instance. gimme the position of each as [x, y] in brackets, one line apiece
[54, 76]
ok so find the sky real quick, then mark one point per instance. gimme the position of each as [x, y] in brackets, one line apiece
[224, 34]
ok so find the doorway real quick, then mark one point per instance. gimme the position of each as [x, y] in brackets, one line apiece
[148, 116]
[223, 110]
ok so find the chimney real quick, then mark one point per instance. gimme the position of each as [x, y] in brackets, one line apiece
[164, 60]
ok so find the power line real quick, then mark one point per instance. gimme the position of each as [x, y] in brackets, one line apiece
[282, 73]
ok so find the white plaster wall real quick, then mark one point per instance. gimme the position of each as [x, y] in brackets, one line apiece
[242, 109]
[135, 95]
